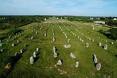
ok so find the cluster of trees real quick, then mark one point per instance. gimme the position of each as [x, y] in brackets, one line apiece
[108, 20]
[111, 33]
[79, 18]
[16, 21]
[111, 22]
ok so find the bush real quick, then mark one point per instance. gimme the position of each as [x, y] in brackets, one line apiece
[111, 22]
[113, 33]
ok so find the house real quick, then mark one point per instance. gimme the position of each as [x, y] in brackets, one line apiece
[99, 22]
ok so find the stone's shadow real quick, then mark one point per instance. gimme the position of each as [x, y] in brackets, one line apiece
[102, 46]
[35, 59]
[12, 60]
[38, 56]
[56, 49]
[111, 33]
[116, 55]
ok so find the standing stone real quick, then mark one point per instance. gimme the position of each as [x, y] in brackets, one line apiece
[36, 32]
[100, 44]
[54, 51]
[78, 37]
[16, 54]
[37, 49]
[72, 55]
[31, 37]
[55, 55]
[40, 28]
[18, 41]
[31, 60]
[1, 50]
[59, 62]
[45, 34]
[67, 46]
[93, 27]
[45, 19]
[106, 41]
[77, 64]
[89, 38]
[112, 43]
[13, 45]
[7, 40]
[68, 40]
[93, 40]
[98, 66]
[53, 34]
[65, 35]
[34, 54]
[21, 51]
[15, 36]
[0, 44]
[105, 46]
[82, 40]
[87, 45]
[53, 39]
[75, 35]
[0, 41]
[95, 58]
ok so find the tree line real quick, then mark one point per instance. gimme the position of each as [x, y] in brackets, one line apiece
[16, 21]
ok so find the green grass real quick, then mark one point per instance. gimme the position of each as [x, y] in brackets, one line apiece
[44, 66]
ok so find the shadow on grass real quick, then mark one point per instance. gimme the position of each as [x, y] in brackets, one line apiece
[12, 60]
[111, 33]
[10, 63]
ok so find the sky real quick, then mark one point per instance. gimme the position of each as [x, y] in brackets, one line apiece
[59, 7]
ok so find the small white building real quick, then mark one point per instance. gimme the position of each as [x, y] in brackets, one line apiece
[99, 22]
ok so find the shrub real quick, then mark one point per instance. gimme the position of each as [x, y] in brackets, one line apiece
[113, 33]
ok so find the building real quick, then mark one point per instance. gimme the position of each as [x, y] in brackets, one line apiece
[99, 22]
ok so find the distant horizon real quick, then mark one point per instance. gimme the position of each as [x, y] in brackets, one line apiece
[60, 15]
[103, 8]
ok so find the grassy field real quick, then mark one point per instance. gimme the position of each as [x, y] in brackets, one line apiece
[45, 67]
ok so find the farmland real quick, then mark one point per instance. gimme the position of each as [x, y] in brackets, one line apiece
[76, 34]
